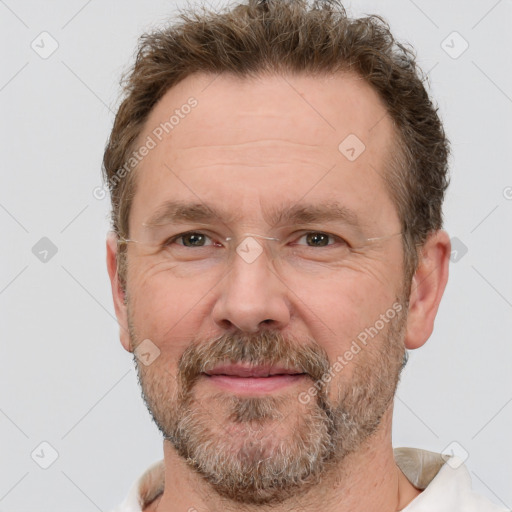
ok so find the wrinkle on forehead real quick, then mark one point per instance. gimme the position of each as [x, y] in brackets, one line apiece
[254, 153]
[263, 142]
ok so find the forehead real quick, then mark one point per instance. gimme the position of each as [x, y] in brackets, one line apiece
[324, 107]
[264, 137]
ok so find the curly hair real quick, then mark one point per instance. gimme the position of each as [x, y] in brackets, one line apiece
[292, 36]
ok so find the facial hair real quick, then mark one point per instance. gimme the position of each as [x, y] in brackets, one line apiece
[264, 450]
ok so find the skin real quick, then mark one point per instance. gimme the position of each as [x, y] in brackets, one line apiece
[247, 147]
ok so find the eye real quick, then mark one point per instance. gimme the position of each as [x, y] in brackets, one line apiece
[191, 239]
[198, 239]
[320, 239]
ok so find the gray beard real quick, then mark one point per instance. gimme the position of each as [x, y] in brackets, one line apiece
[233, 442]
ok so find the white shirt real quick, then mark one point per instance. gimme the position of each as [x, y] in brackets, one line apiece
[445, 482]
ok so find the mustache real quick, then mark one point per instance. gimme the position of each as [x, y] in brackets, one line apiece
[262, 348]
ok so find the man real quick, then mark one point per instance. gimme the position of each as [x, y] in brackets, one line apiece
[277, 173]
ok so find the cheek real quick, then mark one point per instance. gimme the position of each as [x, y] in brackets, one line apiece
[167, 310]
[155, 288]
[151, 304]
[344, 305]
[341, 315]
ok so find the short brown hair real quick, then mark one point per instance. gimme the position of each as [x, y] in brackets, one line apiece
[292, 36]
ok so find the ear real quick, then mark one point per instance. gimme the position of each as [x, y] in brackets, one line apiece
[117, 292]
[427, 288]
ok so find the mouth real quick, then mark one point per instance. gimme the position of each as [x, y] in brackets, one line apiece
[241, 370]
[249, 379]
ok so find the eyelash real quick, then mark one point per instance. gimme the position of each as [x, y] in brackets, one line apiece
[174, 238]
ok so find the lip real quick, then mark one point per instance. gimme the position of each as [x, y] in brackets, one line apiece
[246, 379]
[248, 385]
[245, 370]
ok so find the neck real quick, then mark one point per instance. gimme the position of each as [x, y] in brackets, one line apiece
[368, 479]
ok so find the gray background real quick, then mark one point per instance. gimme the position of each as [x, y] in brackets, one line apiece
[64, 377]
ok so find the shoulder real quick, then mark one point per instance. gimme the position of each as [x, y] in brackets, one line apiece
[445, 482]
[144, 491]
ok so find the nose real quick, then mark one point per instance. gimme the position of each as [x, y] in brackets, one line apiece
[252, 296]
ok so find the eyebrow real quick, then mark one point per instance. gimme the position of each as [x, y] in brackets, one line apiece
[175, 212]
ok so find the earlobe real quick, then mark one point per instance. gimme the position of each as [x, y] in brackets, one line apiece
[427, 288]
[118, 294]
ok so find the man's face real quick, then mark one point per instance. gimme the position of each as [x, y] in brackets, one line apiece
[298, 300]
